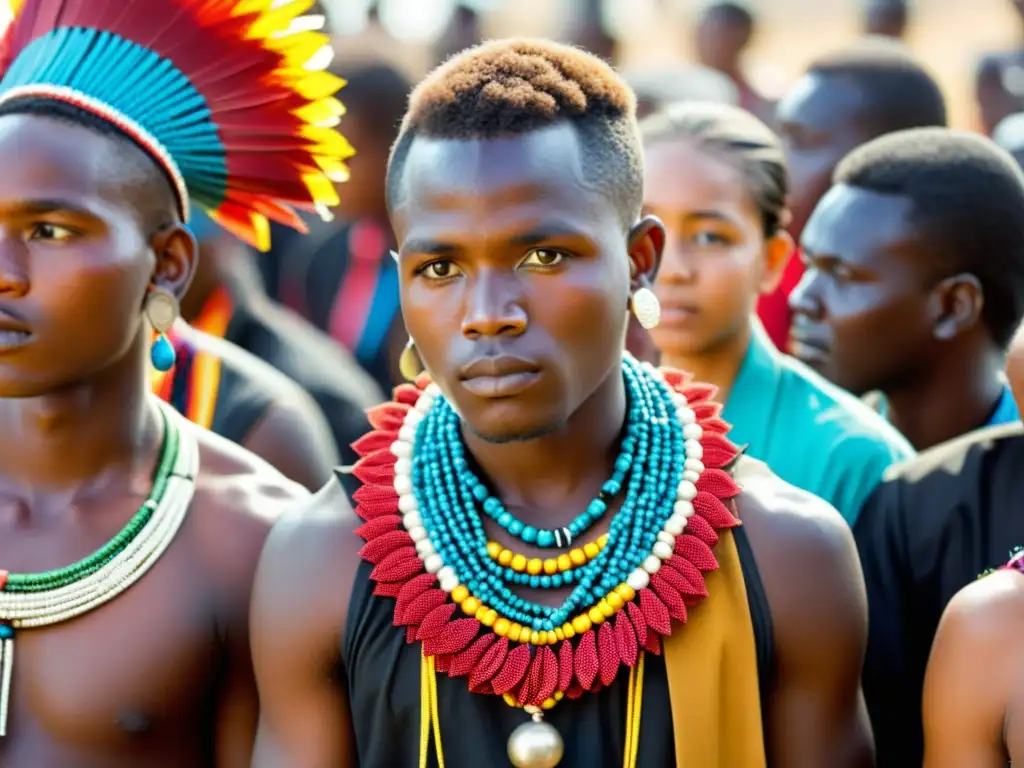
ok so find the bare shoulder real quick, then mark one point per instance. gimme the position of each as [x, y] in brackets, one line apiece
[803, 548]
[309, 565]
[985, 618]
[237, 499]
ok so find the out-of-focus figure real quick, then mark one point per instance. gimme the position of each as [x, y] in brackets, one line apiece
[999, 82]
[656, 88]
[724, 32]
[887, 18]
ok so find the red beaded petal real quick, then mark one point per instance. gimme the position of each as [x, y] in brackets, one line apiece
[489, 665]
[384, 589]
[565, 667]
[399, 565]
[406, 394]
[653, 643]
[718, 483]
[655, 613]
[696, 393]
[701, 528]
[387, 417]
[463, 663]
[378, 526]
[675, 378]
[636, 618]
[369, 474]
[696, 551]
[607, 653]
[412, 589]
[435, 621]
[715, 511]
[706, 410]
[585, 659]
[574, 691]
[421, 606]
[376, 549]
[718, 451]
[527, 692]
[692, 575]
[372, 441]
[548, 682]
[717, 426]
[452, 638]
[512, 670]
[669, 596]
[625, 639]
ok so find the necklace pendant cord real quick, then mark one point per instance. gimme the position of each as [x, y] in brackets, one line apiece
[6, 673]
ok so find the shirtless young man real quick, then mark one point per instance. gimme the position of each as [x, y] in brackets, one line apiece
[128, 536]
[515, 193]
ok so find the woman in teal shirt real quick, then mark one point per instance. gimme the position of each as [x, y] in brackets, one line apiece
[716, 176]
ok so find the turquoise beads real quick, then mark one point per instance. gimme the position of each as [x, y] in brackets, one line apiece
[451, 500]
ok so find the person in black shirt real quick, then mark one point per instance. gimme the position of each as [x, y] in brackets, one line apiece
[934, 525]
[227, 283]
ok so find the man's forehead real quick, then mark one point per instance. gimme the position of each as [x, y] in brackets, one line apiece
[546, 161]
[824, 101]
[849, 215]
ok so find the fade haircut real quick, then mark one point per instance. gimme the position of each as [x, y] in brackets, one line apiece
[898, 91]
[738, 138]
[967, 205]
[507, 88]
[152, 190]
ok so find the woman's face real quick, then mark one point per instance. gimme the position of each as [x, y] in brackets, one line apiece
[714, 264]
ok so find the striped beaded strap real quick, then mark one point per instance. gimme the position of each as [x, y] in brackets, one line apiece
[133, 557]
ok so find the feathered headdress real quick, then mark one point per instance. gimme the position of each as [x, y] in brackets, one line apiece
[223, 94]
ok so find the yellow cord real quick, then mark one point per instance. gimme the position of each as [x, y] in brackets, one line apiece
[634, 707]
[429, 718]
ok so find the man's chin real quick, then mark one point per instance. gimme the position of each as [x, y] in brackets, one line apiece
[498, 434]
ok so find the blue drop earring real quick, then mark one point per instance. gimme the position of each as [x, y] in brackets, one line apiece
[162, 311]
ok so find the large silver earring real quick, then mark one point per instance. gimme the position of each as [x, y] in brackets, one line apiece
[162, 311]
[409, 363]
[646, 307]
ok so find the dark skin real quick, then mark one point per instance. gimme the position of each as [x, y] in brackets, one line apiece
[292, 435]
[872, 313]
[973, 701]
[506, 247]
[161, 675]
[821, 119]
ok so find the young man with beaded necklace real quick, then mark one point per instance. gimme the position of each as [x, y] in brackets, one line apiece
[515, 191]
[129, 538]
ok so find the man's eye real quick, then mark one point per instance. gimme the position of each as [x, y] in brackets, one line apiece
[439, 270]
[542, 257]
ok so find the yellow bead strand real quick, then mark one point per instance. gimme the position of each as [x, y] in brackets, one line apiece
[534, 566]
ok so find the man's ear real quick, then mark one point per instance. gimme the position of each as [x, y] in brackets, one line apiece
[645, 246]
[176, 252]
[956, 305]
[778, 250]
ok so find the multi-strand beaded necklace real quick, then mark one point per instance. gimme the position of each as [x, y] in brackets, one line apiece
[423, 507]
[40, 599]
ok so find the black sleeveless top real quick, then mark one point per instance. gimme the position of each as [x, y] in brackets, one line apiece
[382, 673]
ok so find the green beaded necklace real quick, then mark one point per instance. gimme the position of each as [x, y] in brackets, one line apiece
[47, 580]
[51, 597]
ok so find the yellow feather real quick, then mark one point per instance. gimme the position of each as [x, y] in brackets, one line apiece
[251, 6]
[333, 168]
[261, 231]
[277, 19]
[320, 112]
[321, 189]
[298, 49]
[312, 85]
[326, 141]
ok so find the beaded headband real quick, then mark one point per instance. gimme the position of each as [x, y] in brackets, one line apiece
[226, 97]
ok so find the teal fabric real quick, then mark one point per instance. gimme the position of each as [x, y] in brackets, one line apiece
[808, 431]
[139, 84]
